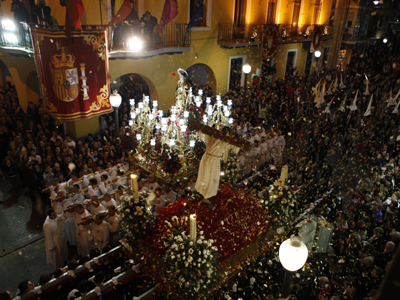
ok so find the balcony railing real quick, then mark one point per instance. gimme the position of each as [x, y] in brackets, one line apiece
[15, 35]
[244, 33]
[247, 33]
[173, 35]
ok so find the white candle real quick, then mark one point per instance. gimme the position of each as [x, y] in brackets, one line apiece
[284, 174]
[226, 154]
[135, 189]
[193, 227]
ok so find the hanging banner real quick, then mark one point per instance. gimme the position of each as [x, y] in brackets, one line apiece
[316, 38]
[269, 41]
[73, 72]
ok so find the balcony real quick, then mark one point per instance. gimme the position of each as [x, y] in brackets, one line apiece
[231, 35]
[15, 36]
[175, 38]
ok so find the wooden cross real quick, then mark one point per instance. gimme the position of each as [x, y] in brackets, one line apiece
[219, 135]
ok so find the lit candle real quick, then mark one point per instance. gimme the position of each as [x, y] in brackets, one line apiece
[135, 189]
[193, 227]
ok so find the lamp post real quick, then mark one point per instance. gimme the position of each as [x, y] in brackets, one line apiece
[317, 54]
[246, 70]
[115, 100]
[292, 255]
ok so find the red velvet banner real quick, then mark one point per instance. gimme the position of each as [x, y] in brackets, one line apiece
[316, 38]
[73, 72]
[269, 41]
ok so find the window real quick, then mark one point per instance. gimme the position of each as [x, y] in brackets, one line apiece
[203, 19]
[240, 12]
[317, 11]
[331, 21]
[271, 12]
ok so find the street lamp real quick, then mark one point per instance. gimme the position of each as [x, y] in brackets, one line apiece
[115, 100]
[317, 53]
[292, 255]
[246, 70]
[385, 40]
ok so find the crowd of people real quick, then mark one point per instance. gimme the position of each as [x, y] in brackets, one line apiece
[288, 122]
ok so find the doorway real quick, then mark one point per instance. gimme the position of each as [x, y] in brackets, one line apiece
[309, 60]
[290, 62]
[235, 75]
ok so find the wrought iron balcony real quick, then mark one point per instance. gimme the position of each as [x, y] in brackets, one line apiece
[15, 35]
[238, 36]
[174, 38]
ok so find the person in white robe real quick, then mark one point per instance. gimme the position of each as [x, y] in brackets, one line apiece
[156, 199]
[101, 232]
[169, 194]
[264, 149]
[118, 194]
[281, 146]
[108, 200]
[210, 166]
[55, 241]
[94, 206]
[113, 220]
[256, 156]
[84, 238]
[69, 223]
[149, 185]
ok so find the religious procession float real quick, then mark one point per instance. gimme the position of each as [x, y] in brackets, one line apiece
[199, 243]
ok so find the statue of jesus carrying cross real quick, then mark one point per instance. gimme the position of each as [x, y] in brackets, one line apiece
[210, 166]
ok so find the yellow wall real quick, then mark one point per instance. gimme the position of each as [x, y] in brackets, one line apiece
[257, 11]
[285, 12]
[20, 69]
[80, 128]
[280, 59]
[159, 70]
[325, 11]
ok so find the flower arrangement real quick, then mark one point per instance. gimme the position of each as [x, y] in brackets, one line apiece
[199, 149]
[280, 202]
[170, 160]
[230, 171]
[135, 218]
[129, 141]
[191, 265]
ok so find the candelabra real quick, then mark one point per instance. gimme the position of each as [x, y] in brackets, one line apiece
[162, 137]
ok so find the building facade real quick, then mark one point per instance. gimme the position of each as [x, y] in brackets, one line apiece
[213, 51]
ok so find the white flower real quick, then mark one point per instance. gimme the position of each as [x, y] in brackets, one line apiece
[199, 265]
[190, 258]
[191, 243]
[128, 210]
[199, 241]
[199, 260]
[172, 257]
[182, 246]
[140, 213]
[190, 251]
